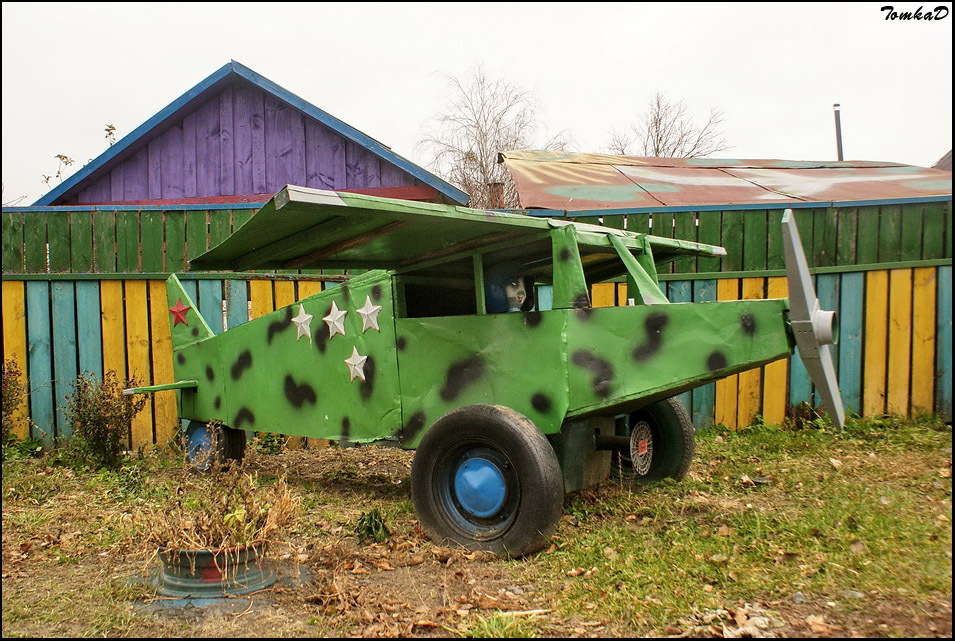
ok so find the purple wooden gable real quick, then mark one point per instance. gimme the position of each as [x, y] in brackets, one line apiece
[241, 141]
[239, 137]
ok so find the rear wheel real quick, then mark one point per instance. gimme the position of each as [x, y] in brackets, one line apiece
[207, 444]
[485, 477]
[661, 443]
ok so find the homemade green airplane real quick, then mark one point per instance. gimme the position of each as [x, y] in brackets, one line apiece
[507, 410]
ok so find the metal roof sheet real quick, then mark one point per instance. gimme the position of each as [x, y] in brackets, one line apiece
[574, 182]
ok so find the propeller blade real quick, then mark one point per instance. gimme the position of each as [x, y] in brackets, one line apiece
[814, 328]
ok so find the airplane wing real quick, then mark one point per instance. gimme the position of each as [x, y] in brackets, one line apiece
[302, 228]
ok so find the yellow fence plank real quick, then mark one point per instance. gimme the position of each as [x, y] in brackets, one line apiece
[114, 332]
[900, 341]
[923, 339]
[260, 295]
[137, 355]
[622, 294]
[15, 347]
[876, 337]
[751, 380]
[308, 288]
[166, 413]
[725, 412]
[775, 373]
[603, 294]
[284, 293]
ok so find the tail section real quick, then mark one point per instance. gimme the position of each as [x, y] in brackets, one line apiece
[186, 324]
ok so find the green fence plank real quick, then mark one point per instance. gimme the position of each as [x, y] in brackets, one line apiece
[127, 241]
[684, 228]
[775, 256]
[197, 233]
[731, 237]
[848, 226]
[947, 247]
[104, 241]
[151, 239]
[911, 237]
[933, 230]
[58, 237]
[943, 345]
[616, 222]
[12, 241]
[890, 233]
[81, 241]
[755, 232]
[639, 223]
[825, 237]
[804, 224]
[709, 232]
[220, 226]
[34, 245]
[867, 244]
[175, 225]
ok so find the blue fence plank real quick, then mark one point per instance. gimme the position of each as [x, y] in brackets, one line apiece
[681, 291]
[210, 303]
[704, 398]
[64, 352]
[827, 291]
[851, 321]
[237, 303]
[40, 365]
[943, 342]
[191, 287]
[89, 332]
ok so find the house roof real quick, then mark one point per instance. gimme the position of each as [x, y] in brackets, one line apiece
[228, 73]
[584, 182]
[945, 162]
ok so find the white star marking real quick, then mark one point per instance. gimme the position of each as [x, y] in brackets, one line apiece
[356, 365]
[369, 316]
[302, 323]
[335, 321]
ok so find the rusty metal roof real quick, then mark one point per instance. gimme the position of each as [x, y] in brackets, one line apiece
[579, 182]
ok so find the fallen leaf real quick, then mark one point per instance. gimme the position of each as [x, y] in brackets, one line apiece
[857, 547]
[835, 463]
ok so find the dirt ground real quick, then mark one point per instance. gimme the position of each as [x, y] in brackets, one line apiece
[331, 584]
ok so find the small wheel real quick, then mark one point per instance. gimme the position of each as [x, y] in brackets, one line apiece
[205, 445]
[485, 477]
[661, 443]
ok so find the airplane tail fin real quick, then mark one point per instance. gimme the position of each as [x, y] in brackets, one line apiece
[186, 324]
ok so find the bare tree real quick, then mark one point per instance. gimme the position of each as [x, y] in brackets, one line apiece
[667, 131]
[483, 117]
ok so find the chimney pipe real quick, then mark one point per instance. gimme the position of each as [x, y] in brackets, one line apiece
[835, 108]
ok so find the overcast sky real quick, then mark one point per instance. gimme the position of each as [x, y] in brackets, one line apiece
[775, 70]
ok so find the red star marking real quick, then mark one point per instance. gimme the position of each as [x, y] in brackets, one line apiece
[179, 313]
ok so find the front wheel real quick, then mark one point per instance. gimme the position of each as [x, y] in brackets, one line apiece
[661, 443]
[485, 477]
[206, 444]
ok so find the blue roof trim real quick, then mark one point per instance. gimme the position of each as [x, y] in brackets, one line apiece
[560, 213]
[240, 70]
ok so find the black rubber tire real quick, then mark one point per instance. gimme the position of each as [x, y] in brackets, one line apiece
[530, 476]
[671, 444]
[230, 445]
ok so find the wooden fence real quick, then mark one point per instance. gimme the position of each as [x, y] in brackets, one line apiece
[83, 291]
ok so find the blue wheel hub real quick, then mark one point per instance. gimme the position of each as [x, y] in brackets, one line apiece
[480, 487]
[199, 446]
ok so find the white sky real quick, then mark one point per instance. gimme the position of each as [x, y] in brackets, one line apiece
[774, 69]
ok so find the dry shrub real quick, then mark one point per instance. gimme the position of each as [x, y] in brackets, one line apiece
[101, 415]
[13, 394]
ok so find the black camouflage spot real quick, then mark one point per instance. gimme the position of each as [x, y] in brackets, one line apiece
[241, 364]
[280, 325]
[298, 395]
[218, 402]
[210, 373]
[716, 361]
[653, 325]
[532, 319]
[195, 331]
[541, 403]
[601, 369]
[368, 385]
[565, 254]
[401, 343]
[322, 335]
[376, 293]
[410, 429]
[346, 293]
[748, 324]
[181, 359]
[460, 375]
[245, 415]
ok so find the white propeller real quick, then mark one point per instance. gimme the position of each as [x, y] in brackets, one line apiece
[815, 329]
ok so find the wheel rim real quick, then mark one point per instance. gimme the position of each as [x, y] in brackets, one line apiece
[641, 448]
[479, 492]
[199, 446]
